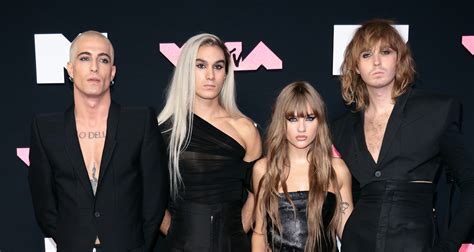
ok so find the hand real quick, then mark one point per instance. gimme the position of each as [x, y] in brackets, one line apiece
[165, 224]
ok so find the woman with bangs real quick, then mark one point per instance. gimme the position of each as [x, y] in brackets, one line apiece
[304, 187]
[211, 150]
[394, 141]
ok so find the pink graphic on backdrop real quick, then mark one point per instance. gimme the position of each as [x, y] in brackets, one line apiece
[468, 42]
[23, 154]
[261, 55]
[467, 248]
[170, 51]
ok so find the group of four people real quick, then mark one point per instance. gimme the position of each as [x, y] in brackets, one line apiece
[109, 177]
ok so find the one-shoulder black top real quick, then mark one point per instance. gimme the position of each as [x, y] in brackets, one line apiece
[295, 230]
[212, 166]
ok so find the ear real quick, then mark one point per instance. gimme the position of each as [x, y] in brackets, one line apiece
[114, 69]
[70, 69]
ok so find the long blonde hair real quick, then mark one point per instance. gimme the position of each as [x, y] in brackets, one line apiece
[370, 33]
[321, 175]
[180, 98]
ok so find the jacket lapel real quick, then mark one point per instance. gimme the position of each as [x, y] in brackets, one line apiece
[393, 124]
[73, 149]
[110, 142]
[359, 135]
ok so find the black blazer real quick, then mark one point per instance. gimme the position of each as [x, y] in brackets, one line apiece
[423, 131]
[132, 192]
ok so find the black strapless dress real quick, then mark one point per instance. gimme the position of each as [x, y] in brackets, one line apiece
[295, 230]
[207, 216]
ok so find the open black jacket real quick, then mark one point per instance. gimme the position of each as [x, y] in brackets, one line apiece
[423, 131]
[132, 192]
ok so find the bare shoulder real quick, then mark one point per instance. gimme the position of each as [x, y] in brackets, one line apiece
[245, 126]
[260, 167]
[342, 172]
[249, 134]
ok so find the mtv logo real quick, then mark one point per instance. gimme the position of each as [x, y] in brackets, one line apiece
[261, 55]
[342, 37]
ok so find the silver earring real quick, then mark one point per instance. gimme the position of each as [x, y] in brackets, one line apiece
[70, 78]
[112, 83]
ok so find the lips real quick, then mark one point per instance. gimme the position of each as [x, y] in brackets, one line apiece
[378, 72]
[301, 138]
[209, 86]
[93, 79]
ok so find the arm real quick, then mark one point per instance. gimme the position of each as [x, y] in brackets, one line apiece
[458, 159]
[40, 178]
[344, 180]
[247, 212]
[258, 235]
[154, 174]
[253, 151]
[165, 224]
[251, 137]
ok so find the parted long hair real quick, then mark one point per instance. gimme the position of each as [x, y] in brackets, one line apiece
[366, 37]
[297, 97]
[178, 109]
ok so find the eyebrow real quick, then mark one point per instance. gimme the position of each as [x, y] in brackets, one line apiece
[219, 61]
[105, 54]
[90, 54]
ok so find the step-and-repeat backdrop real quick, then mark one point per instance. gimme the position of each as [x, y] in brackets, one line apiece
[271, 44]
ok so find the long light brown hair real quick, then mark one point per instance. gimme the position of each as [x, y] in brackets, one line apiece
[366, 37]
[296, 97]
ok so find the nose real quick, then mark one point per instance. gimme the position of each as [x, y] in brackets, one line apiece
[301, 125]
[376, 59]
[210, 73]
[94, 66]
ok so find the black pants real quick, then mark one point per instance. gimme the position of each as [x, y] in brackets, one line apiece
[213, 228]
[391, 216]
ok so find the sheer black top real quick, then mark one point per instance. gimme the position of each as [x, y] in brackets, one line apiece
[212, 166]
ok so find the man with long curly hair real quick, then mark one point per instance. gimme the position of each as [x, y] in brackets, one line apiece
[393, 142]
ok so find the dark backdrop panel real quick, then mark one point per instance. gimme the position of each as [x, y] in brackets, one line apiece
[299, 33]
